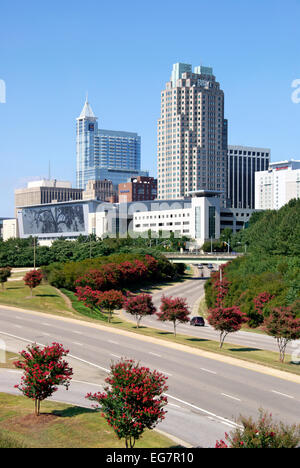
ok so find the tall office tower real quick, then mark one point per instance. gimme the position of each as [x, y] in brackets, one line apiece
[105, 154]
[243, 162]
[191, 134]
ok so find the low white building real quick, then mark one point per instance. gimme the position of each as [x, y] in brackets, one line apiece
[278, 185]
[199, 217]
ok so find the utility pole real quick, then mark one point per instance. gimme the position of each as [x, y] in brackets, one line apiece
[34, 253]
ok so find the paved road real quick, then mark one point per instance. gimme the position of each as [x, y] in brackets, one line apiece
[204, 395]
[192, 290]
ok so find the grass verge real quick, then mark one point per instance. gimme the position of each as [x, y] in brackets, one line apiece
[45, 298]
[61, 426]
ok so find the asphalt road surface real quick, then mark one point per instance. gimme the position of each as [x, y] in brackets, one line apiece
[205, 396]
[192, 290]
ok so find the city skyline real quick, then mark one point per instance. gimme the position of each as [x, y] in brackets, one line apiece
[124, 83]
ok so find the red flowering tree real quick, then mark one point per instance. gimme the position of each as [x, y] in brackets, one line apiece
[32, 279]
[5, 273]
[173, 310]
[44, 369]
[256, 317]
[133, 400]
[226, 320]
[284, 327]
[109, 301]
[264, 433]
[99, 301]
[89, 297]
[139, 306]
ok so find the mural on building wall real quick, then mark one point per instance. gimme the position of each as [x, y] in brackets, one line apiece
[56, 219]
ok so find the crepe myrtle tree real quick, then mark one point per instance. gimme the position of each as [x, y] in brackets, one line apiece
[109, 301]
[139, 306]
[173, 309]
[226, 320]
[32, 279]
[132, 401]
[5, 273]
[98, 301]
[283, 326]
[44, 370]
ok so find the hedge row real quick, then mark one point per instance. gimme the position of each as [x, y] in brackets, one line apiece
[115, 271]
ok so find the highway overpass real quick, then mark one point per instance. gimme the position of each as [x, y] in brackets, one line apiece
[218, 258]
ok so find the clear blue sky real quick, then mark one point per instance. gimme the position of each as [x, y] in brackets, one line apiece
[122, 53]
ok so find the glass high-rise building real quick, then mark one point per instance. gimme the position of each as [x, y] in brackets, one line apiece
[105, 154]
[191, 134]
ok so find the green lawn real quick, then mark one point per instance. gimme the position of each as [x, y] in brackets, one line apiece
[61, 426]
[45, 298]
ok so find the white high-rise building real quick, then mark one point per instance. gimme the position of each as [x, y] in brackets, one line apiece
[278, 185]
[191, 134]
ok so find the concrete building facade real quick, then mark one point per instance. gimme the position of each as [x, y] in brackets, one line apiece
[46, 191]
[102, 190]
[191, 134]
[278, 185]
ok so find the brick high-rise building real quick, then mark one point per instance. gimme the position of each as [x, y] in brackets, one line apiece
[138, 189]
[192, 134]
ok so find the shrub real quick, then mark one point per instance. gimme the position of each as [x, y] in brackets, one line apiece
[264, 433]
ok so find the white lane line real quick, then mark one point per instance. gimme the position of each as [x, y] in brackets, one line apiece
[228, 424]
[87, 383]
[14, 372]
[283, 394]
[164, 372]
[176, 406]
[70, 355]
[77, 344]
[113, 342]
[46, 334]
[230, 396]
[77, 332]
[203, 410]
[207, 370]
[115, 355]
[47, 324]
[154, 354]
[16, 326]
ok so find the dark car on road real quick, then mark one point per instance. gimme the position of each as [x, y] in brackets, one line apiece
[210, 266]
[197, 322]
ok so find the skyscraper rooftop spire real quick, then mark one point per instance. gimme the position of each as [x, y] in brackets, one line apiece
[87, 111]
